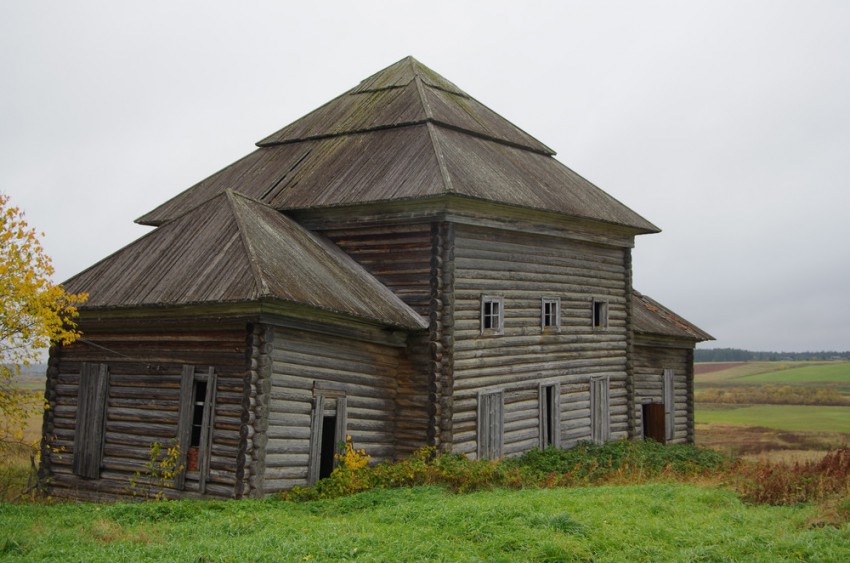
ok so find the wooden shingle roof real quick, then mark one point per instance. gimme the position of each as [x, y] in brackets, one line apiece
[232, 249]
[405, 133]
[652, 318]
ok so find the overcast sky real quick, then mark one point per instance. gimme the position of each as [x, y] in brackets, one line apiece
[727, 124]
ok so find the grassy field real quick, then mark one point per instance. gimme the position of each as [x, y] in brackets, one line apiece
[823, 373]
[797, 418]
[802, 430]
[630, 523]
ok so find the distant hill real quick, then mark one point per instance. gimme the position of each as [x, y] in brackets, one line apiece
[737, 355]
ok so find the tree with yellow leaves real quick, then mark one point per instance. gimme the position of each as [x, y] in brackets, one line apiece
[35, 314]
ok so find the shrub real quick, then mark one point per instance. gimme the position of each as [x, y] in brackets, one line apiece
[159, 471]
[776, 483]
[625, 460]
[585, 464]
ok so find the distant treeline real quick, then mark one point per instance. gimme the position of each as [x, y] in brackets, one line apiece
[736, 355]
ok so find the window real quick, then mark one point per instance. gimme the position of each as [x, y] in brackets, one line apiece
[492, 315]
[327, 429]
[91, 420]
[550, 416]
[599, 411]
[600, 313]
[491, 422]
[199, 403]
[550, 313]
[195, 426]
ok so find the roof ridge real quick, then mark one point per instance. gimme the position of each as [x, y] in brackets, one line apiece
[441, 159]
[429, 114]
[251, 253]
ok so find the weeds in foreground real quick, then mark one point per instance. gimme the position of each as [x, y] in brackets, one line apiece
[160, 470]
[586, 464]
[772, 483]
[623, 462]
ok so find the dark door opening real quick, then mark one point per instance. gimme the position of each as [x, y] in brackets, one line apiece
[653, 422]
[326, 456]
[549, 416]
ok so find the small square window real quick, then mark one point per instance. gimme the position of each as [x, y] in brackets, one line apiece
[550, 313]
[600, 313]
[492, 315]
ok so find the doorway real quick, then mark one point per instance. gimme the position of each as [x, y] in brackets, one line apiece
[328, 446]
[653, 422]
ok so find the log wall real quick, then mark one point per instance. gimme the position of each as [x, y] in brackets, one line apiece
[142, 407]
[367, 373]
[649, 365]
[409, 259]
[523, 268]
[399, 256]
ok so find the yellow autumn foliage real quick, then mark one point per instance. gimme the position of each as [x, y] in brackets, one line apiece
[35, 314]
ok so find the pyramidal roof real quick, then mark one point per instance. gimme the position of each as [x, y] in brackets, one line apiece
[233, 249]
[404, 134]
[405, 93]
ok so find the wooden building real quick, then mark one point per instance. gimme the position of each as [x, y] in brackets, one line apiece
[401, 265]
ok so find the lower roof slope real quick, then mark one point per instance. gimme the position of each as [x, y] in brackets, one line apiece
[651, 317]
[231, 249]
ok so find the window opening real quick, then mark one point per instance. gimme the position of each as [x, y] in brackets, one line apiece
[653, 422]
[600, 313]
[549, 416]
[328, 447]
[491, 315]
[327, 429]
[200, 395]
[551, 313]
[196, 421]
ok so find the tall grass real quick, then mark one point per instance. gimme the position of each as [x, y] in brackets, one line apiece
[622, 461]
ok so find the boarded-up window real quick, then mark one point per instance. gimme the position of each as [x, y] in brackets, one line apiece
[599, 409]
[669, 405]
[195, 425]
[327, 431]
[91, 420]
[550, 416]
[491, 423]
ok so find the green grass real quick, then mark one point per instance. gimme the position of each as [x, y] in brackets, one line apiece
[630, 523]
[795, 418]
[823, 373]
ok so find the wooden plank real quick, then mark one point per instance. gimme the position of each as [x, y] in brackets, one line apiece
[184, 425]
[207, 425]
[88, 438]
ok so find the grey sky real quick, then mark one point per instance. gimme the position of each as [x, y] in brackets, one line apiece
[727, 124]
